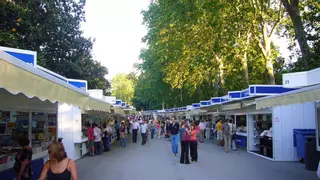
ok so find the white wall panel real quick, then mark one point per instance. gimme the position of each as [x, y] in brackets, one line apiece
[285, 119]
[69, 127]
[277, 133]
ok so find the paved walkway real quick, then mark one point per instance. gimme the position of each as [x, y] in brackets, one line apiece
[154, 161]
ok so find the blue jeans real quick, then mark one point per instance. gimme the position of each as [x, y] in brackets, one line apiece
[106, 143]
[152, 133]
[174, 143]
[123, 142]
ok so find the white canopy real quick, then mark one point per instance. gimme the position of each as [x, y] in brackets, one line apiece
[308, 94]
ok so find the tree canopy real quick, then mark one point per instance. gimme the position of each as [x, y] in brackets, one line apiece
[52, 28]
[200, 49]
[122, 86]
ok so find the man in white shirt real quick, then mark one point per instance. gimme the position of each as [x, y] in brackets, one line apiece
[135, 128]
[202, 126]
[144, 128]
[231, 140]
[97, 139]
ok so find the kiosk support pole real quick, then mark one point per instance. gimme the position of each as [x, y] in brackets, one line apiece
[30, 123]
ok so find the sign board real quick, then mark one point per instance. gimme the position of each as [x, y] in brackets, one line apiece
[118, 102]
[297, 79]
[234, 94]
[196, 105]
[301, 79]
[29, 57]
[81, 84]
[264, 90]
[205, 103]
[216, 100]
[245, 93]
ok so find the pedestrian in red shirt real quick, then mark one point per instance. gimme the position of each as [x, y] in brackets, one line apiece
[90, 133]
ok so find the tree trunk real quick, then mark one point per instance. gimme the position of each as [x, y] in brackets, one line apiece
[181, 97]
[265, 47]
[244, 60]
[163, 105]
[199, 93]
[244, 63]
[294, 12]
[221, 71]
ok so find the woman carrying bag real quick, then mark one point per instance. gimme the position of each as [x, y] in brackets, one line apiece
[185, 144]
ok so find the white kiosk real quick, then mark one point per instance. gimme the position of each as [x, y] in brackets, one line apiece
[297, 109]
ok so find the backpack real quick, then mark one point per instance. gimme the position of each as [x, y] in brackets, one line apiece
[226, 129]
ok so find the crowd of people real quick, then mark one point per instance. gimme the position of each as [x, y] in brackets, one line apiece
[189, 133]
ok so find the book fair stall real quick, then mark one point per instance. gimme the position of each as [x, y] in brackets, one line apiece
[39, 105]
[292, 111]
[254, 126]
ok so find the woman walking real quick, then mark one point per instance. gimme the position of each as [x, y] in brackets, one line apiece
[185, 138]
[152, 129]
[123, 135]
[59, 166]
[105, 139]
[193, 143]
[158, 126]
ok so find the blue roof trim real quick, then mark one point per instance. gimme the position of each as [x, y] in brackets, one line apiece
[234, 94]
[272, 90]
[252, 89]
[27, 58]
[118, 102]
[196, 105]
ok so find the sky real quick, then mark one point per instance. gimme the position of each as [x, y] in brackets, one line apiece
[117, 27]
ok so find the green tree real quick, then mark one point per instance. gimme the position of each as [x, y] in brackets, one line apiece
[122, 87]
[304, 27]
[52, 28]
[293, 9]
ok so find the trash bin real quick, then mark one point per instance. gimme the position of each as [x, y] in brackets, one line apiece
[311, 156]
[299, 140]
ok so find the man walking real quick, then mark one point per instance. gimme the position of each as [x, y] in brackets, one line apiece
[135, 128]
[219, 132]
[232, 135]
[202, 126]
[144, 128]
[117, 127]
[97, 139]
[174, 130]
[226, 135]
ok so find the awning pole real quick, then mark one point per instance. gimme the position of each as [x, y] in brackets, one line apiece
[30, 124]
